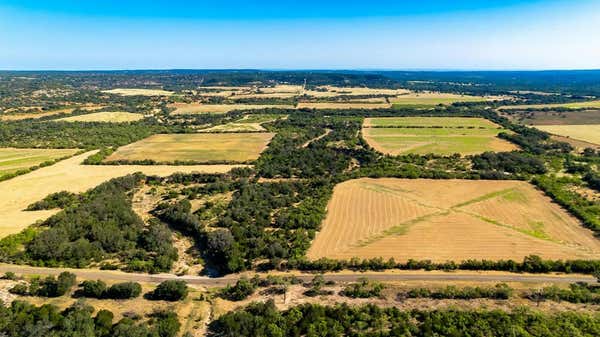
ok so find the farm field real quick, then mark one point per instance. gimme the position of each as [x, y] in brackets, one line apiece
[586, 133]
[36, 115]
[445, 220]
[434, 98]
[200, 148]
[575, 117]
[198, 108]
[249, 123]
[340, 105]
[422, 135]
[108, 117]
[69, 175]
[331, 91]
[576, 105]
[138, 92]
[13, 160]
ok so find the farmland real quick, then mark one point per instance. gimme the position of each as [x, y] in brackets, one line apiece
[340, 105]
[439, 135]
[574, 105]
[138, 92]
[586, 133]
[13, 160]
[542, 117]
[446, 220]
[69, 175]
[249, 123]
[107, 117]
[197, 148]
[434, 98]
[198, 108]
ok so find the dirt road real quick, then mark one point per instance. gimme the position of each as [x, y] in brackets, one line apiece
[338, 277]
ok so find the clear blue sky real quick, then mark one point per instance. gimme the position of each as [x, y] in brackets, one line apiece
[445, 34]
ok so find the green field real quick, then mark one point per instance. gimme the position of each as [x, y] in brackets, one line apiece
[439, 135]
[13, 160]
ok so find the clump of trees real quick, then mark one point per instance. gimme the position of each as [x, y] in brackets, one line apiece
[170, 290]
[242, 289]
[363, 289]
[99, 289]
[47, 287]
[500, 292]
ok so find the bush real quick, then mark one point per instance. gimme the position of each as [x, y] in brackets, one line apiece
[124, 290]
[171, 290]
[240, 291]
[94, 289]
[363, 289]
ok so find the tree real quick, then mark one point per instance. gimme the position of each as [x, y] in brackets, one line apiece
[170, 290]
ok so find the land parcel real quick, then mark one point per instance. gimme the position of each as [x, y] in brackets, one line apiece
[197, 148]
[13, 160]
[448, 220]
[439, 135]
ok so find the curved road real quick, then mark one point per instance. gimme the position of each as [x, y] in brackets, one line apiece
[338, 277]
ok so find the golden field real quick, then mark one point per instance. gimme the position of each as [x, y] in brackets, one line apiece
[107, 117]
[586, 133]
[445, 220]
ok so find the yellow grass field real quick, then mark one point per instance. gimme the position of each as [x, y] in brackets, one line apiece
[439, 135]
[340, 105]
[13, 160]
[578, 105]
[448, 220]
[353, 91]
[138, 92]
[435, 98]
[107, 116]
[198, 108]
[36, 115]
[200, 147]
[70, 175]
[586, 133]
[249, 123]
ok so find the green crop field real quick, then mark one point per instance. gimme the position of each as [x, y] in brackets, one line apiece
[439, 135]
[13, 160]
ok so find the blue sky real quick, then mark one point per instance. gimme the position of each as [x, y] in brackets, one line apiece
[459, 34]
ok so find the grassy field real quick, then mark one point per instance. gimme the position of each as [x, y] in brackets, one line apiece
[107, 116]
[422, 135]
[201, 148]
[575, 117]
[577, 105]
[446, 220]
[331, 91]
[138, 92]
[13, 160]
[40, 114]
[198, 108]
[433, 98]
[586, 133]
[340, 105]
[70, 175]
[249, 123]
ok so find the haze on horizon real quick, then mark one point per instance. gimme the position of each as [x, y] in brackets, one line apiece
[463, 34]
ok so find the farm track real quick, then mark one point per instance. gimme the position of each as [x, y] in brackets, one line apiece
[339, 277]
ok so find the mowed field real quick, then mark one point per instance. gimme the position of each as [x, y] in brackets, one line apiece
[342, 105]
[575, 117]
[439, 135]
[200, 148]
[586, 133]
[198, 108]
[448, 220]
[576, 105]
[138, 92]
[13, 160]
[434, 98]
[107, 117]
[40, 114]
[249, 123]
[69, 175]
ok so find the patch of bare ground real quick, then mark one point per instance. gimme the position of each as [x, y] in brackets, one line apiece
[586, 192]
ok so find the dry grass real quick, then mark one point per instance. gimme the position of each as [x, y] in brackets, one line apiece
[332, 91]
[577, 105]
[108, 117]
[439, 135]
[250, 123]
[199, 108]
[339, 105]
[448, 220]
[435, 98]
[69, 175]
[138, 92]
[36, 115]
[586, 133]
[13, 160]
[202, 148]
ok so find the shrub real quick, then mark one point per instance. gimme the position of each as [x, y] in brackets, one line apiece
[171, 290]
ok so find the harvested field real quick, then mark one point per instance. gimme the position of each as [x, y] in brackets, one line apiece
[108, 117]
[439, 135]
[36, 115]
[340, 105]
[199, 148]
[13, 160]
[331, 91]
[199, 108]
[446, 220]
[577, 105]
[435, 98]
[70, 175]
[575, 117]
[586, 133]
[138, 92]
